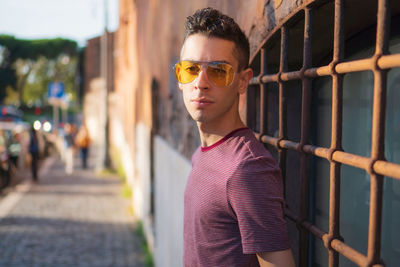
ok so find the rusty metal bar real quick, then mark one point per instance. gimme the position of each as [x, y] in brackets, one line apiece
[263, 103]
[352, 160]
[335, 244]
[274, 78]
[378, 134]
[282, 103]
[318, 72]
[305, 129]
[294, 75]
[380, 167]
[355, 65]
[387, 169]
[384, 62]
[305, 224]
[274, 141]
[349, 252]
[389, 61]
[376, 165]
[336, 134]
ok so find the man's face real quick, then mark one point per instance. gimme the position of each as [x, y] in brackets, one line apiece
[205, 101]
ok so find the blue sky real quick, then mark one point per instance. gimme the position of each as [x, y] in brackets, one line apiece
[78, 20]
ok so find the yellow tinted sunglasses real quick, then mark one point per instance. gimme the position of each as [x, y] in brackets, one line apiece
[219, 73]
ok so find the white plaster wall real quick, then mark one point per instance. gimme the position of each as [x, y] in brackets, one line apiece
[119, 141]
[171, 172]
[141, 185]
[95, 118]
[142, 181]
[137, 176]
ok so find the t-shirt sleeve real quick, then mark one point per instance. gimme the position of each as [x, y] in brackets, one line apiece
[255, 193]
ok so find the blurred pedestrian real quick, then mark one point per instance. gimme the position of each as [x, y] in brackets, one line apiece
[34, 151]
[82, 141]
[69, 148]
[15, 148]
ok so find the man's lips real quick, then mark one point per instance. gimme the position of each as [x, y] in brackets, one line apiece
[201, 102]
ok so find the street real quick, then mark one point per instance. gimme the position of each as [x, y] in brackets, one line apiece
[68, 220]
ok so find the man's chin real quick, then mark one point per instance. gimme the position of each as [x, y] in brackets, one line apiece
[201, 120]
[199, 116]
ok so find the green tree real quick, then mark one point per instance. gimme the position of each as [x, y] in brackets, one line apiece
[63, 69]
[27, 66]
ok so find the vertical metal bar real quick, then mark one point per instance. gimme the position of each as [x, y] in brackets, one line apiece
[336, 133]
[305, 129]
[251, 100]
[304, 171]
[376, 187]
[282, 104]
[263, 98]
[378, 134]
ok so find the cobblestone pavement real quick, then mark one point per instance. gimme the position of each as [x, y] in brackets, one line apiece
[76, 220]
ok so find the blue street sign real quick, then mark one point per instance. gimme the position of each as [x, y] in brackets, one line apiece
[56, 90]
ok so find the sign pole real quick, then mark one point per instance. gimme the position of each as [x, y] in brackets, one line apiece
[64, 115]
[57, 98]
[55, 117]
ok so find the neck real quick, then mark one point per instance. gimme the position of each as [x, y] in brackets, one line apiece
[210, 134]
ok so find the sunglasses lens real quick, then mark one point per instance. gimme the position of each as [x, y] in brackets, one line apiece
[220, 74]
[186, 71]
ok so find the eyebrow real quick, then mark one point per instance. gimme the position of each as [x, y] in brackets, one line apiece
[214, 61]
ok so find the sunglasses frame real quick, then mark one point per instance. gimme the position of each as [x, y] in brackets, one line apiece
[207, 63]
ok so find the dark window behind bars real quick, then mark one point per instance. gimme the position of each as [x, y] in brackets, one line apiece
[314, 106]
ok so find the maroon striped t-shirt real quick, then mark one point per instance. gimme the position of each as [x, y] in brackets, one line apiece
[233, 204]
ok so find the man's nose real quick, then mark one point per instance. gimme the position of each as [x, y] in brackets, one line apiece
[202, 81]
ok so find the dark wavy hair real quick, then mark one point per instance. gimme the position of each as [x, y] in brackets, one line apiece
[212, 23]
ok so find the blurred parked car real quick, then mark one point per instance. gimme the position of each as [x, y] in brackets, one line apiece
[4, 161]
[10, 149]
[10, 114]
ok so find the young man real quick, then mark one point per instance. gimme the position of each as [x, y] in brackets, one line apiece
[234, 197]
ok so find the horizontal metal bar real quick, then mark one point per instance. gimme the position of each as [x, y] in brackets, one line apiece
[351, 159]
[321, 152]
[349, 252]
[380, 167]
[293, 75]
[388, 169]
[384, 62]
[305, 224]
[389, 61]
[273, 141]
[317, 72]
[270, 78]
[355, 65]
[336, 244]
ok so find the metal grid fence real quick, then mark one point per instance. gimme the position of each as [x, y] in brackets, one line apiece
[375, 165]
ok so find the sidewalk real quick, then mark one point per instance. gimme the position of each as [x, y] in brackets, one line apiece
[76, 220]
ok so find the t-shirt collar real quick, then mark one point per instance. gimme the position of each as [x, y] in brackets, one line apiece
[226, 137]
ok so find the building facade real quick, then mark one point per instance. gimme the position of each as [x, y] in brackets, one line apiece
[323, 101]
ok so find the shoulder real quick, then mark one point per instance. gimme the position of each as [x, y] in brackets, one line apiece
[251, 153]
[256, 167]
[257, 171]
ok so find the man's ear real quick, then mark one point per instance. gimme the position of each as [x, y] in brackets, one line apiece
[244, 80]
